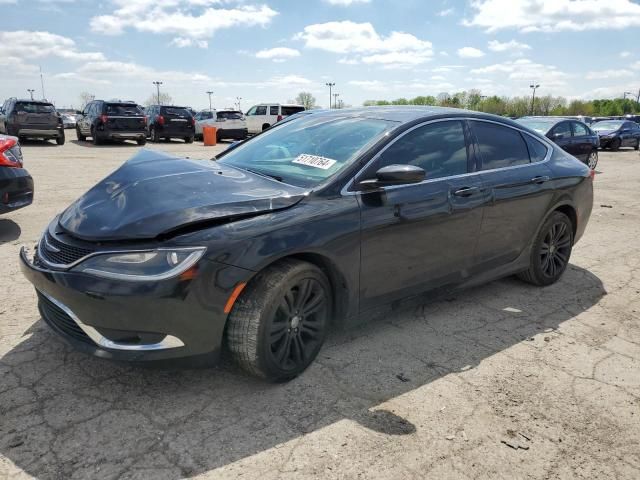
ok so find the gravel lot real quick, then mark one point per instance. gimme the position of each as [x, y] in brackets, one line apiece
[503, 381]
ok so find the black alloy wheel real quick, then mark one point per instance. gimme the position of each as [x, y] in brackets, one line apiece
[279, 323]
[551, 251]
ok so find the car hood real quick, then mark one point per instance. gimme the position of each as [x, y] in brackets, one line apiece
[602, 133]
[153, 194]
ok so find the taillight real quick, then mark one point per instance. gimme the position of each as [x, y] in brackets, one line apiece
[279, 118]
[104, 118]
[160, 120]
[144, 120]
[193, 121]
[592, 174]
[10, 155]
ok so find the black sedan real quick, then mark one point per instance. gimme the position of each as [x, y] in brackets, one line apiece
[320, 222]
[16, 185]
[618, 133]
[571, 135]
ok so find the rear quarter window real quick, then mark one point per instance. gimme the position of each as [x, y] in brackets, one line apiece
[291, 110]
[537, 149]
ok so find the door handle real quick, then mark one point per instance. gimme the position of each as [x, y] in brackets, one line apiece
[465, 191]
[540, 179]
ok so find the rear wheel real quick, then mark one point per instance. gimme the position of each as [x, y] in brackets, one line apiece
[279, 323]
[265, 126]
[153, 134]
[188, 139]
[94, 137]
[551, 251]
[142, 141]
[592, 160]
[615, 144]
[60, 139]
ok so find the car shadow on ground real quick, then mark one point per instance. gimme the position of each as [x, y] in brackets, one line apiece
[63, 413]
[9, 230]
[88, 144]
[29, 142]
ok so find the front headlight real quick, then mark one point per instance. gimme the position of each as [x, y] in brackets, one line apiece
[147, 265]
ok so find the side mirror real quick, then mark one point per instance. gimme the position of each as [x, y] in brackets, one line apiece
[557, 136]
[395, 175]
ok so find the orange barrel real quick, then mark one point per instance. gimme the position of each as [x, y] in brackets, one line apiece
[209, 136]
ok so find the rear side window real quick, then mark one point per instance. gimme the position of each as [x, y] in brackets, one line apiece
[438, 148]
[579, 130]
[499, 146]
[537, 149]
[291, 110]
[273, 110]
[26, 107]
[230, 115]
[261, 110]
[123, 110]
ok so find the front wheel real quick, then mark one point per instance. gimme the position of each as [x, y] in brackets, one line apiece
[279, 323]
[188, 139]
[141, 141]
[615, 144]
[551, 251]
[592, 160]
[81, 137]
[60, 139]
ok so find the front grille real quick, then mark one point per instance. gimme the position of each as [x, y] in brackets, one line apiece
[60, 253]
[59, 320]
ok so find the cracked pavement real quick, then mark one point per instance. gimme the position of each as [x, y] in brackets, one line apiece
[501, 381]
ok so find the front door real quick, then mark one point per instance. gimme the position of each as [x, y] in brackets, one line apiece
[581, 141]
[421, 236]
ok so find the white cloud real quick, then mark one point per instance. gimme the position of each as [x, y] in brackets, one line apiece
[553, 15]
[361, 42]
[525, 71]
[182, 42]
[510, 46]
[608, 74]
[625, 54]
[446, 12]
[470, 52]
[17, 66]
[187, 19]
[370, 85]
[31, 45]
[278, 54]
[346, 3]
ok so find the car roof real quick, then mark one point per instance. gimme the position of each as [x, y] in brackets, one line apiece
[28, 100]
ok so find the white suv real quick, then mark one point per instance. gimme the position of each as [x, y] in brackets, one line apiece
[260, 117]
[230, 124]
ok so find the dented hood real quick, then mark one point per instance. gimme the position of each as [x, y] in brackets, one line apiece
[154, 193]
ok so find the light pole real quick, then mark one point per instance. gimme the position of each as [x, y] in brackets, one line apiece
[238, 99]
[335, 100]
[210, 93]
[31, 90]
[330, 85]
[533, 96]
[157, 84]
[624, 97]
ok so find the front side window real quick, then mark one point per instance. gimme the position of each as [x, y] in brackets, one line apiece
[579, 130]
[439, 149]
[562, 130]
[308, 151]
[499, 146]
[252, 111]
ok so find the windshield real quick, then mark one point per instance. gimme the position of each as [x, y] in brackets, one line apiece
[122, 109]
[610, 125]
[309, 150]
[535, 124]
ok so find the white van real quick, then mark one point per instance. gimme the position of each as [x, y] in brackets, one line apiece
[231, 124]
[260, 117]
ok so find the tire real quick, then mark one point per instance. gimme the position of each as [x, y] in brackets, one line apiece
[266, 334]
[592, 160]
[188, 139]
[94, 137]
[81, 137]
[60, 139]
[637, 146]
[551, 251]
[615, 144]
[265, 126]
[153, 134]
[141, 141]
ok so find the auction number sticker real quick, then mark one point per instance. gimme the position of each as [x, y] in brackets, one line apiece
[315, 161]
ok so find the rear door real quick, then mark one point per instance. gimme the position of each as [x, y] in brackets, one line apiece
[421, 236]
[36, 115]
[628, 134]
[581, 141]
[513, 165]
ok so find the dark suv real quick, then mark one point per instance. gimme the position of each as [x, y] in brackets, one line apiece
[112, 120]
[31, 119]
[168, 121]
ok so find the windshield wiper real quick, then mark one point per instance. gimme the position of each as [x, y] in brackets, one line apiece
[275, 177]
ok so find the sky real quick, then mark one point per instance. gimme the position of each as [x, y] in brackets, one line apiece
[270, 50]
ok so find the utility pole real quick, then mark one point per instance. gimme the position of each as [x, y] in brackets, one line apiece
[42, 83]
[238, 99]
[157, 84]
[31, 90]
[335, 100]
[330, 85]
[209, 93]
[533, 97]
